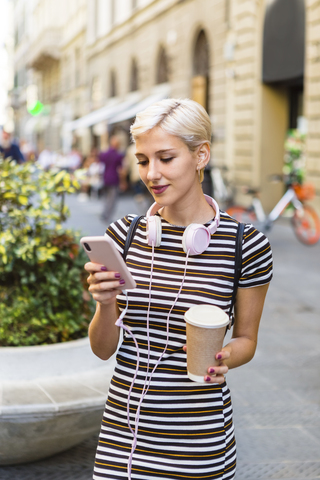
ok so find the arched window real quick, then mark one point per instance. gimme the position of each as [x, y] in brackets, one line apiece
[200, 80]
[134, 76]
[113, 84]
[162, 67]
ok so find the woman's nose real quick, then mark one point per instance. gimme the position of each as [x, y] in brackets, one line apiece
[153, 171]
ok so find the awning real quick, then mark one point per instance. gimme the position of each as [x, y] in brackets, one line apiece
[116, 111]
[284, 41]
[138, 107]
[112, 108]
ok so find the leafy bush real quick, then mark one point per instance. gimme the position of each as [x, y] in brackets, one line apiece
[43, 298]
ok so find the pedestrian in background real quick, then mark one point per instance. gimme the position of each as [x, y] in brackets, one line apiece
[112, 161]
[130, 178]
[92, 176]
[10, 149]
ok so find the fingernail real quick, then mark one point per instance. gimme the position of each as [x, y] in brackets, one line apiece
[104, 269]
[211, 370]
[207, 379]
[219, 357]
[122, 282]
[117, 275]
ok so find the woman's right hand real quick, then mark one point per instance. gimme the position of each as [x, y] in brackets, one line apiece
[104, 285]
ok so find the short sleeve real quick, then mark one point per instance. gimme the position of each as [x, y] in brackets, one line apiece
[257, 261]
[118, 230]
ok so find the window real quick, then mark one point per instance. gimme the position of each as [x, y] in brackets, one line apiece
[200, 80]
[162, 68]
[113, 84]
[134, 80]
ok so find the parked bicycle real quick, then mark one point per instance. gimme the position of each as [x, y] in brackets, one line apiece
[305, 220]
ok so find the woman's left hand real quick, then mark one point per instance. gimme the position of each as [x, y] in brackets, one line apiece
[217, 372]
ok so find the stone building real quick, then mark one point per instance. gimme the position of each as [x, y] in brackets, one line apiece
[253, 64]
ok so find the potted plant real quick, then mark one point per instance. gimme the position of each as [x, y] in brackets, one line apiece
[53, 386]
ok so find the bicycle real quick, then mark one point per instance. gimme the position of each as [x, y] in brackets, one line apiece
[305, 220]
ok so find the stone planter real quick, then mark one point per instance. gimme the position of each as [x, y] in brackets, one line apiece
[51, 398]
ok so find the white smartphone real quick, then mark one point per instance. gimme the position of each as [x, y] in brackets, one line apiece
[102, 250]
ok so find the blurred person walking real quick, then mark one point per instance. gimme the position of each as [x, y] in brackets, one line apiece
[130, 173]
[112, 161]
[92, 181]
[9, 149]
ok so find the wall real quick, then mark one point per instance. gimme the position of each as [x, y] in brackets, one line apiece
[312, 94]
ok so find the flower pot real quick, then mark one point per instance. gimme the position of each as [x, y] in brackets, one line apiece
[51, 398]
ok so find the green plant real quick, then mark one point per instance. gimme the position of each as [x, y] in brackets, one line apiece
[294, 159]
[43, 298]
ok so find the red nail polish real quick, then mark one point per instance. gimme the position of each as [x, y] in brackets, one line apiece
[211, 370]
[104, 269]
[122, 282]
[207, 379]
[219, 357]
[117, 275]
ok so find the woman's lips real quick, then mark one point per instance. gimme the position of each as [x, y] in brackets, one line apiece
[159, 188]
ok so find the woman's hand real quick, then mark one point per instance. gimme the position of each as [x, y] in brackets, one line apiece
[104, 285]
[217, 372]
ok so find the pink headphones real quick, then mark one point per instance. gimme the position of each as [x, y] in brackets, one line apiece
[196, 237]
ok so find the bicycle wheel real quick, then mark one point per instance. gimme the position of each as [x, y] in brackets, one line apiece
[242, 214]
[306, 225]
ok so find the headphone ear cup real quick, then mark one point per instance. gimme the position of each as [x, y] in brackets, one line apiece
[154, 231]
[196, 239]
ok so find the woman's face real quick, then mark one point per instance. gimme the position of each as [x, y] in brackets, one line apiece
[166, 166]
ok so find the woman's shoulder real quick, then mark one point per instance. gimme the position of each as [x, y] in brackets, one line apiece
[257, 260]
[118, 230]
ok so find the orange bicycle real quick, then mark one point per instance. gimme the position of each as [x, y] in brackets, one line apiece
[305, 220]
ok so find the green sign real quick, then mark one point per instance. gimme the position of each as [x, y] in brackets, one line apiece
[36, 109]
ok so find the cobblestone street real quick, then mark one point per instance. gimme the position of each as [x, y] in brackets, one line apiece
[276, 397]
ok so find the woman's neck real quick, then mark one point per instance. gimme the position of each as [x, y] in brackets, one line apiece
[195, 212]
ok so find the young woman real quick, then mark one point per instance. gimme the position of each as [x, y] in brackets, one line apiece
[158, 424]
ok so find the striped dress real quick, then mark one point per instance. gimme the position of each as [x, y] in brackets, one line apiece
[185, 429]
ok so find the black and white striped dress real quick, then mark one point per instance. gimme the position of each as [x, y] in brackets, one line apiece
[185, 429]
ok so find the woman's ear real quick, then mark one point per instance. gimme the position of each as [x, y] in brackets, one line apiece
[203, 155]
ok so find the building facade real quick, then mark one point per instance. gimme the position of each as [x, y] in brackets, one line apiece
[256, 75]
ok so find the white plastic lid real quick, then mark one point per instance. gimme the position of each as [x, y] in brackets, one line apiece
[207, 316]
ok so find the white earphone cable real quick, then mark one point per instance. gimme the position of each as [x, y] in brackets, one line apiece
[148, 379]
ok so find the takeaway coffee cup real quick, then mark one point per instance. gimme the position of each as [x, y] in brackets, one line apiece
[206, 326]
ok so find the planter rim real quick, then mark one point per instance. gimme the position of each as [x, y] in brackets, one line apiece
[51, 346]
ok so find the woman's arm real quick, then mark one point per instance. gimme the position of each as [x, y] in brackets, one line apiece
[103, 333]
[242, 346]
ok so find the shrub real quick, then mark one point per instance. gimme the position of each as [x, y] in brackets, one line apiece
[43, 298]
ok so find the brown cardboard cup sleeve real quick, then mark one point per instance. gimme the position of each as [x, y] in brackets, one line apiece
[206, 326]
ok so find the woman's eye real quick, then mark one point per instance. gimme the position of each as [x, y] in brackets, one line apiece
[166, 160]
[143, 162]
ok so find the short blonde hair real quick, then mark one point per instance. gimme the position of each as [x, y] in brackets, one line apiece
[184, 118]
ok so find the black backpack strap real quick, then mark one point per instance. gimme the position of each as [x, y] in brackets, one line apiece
[132, 229]
[237, 270]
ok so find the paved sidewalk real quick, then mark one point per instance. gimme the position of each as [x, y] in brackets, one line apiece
[276, 396]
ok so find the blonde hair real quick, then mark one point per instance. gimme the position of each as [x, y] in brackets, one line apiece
[185, 119]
